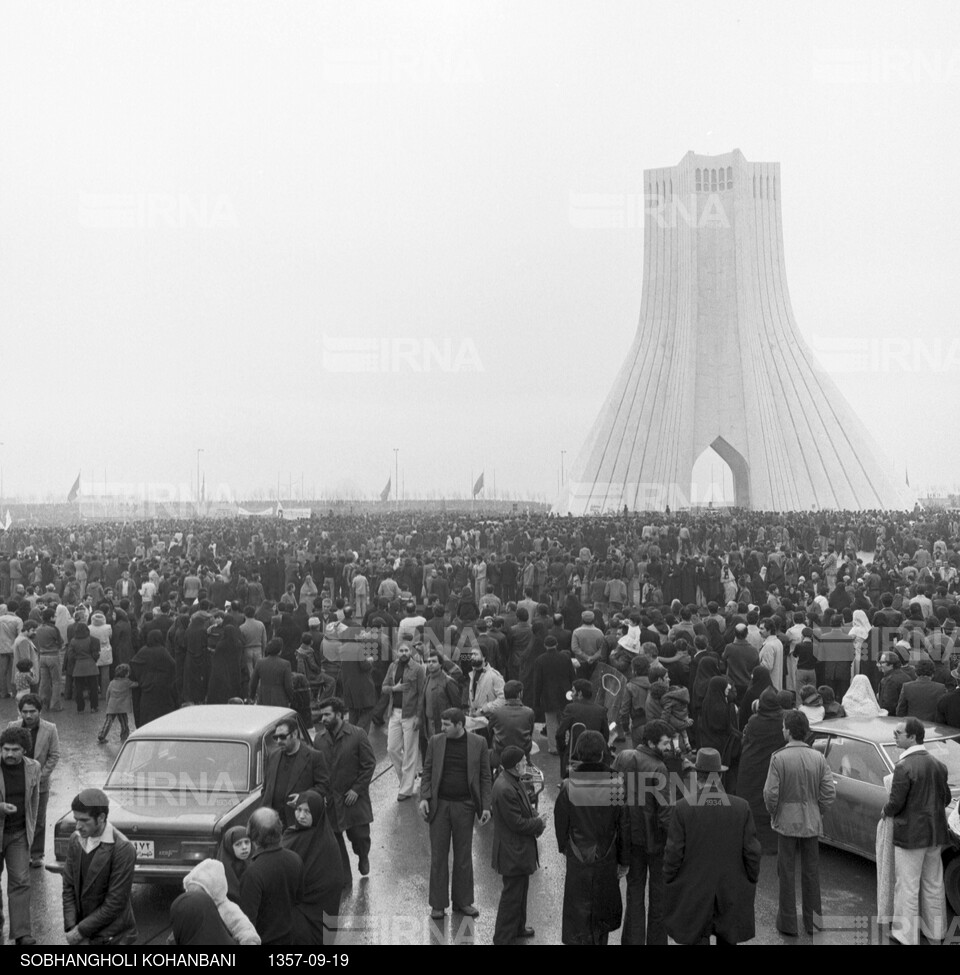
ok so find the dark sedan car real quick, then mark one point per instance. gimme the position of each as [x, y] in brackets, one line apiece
[181, 781]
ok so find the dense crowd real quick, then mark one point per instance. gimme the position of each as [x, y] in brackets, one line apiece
[670, 632]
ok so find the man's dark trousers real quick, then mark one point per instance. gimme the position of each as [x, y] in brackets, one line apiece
[453, 820]
[512, 912]
[635, 928]
[808, 848]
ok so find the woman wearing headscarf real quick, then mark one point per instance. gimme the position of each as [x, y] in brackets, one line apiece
[229, 676]
[715, 636]
[308, 594]
[759, 682]
[85, 651]
[101, 630]
[154, 671]
[313, 840]
[860, 701]
[467, 609]
[707, 669]
[595, 838]
[234, 854]
[718, 728]
[122, 639]
[196, 664]
[831, 708]
[62, 620]
[209, 876]
[762, 737]
[860, 634]
[196, 920]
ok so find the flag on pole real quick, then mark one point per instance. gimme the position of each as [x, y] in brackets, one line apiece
[478, 486]
[907, 475]
[7, 522]
[385, 493]
[75, 490]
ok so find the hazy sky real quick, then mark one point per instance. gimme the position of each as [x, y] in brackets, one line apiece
[299, 235]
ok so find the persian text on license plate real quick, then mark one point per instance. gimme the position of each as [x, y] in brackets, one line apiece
[144, 849]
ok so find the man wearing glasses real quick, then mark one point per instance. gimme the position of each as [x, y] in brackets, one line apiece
[918, 800]
[293, 767]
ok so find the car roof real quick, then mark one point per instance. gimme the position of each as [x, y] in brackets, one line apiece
[879, 730]
[214, 721]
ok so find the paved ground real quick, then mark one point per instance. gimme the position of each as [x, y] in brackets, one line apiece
[390, 906]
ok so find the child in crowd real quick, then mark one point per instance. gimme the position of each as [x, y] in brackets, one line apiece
[26, 678]
[119, 703]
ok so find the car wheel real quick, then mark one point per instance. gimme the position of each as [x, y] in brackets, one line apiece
[951, 882]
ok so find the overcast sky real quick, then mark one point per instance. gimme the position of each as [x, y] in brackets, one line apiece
[299, 235]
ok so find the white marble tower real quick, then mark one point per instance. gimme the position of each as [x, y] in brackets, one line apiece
[718, 361]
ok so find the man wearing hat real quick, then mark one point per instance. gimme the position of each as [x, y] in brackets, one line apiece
[98, 877]
[711, 863]
[515, 830]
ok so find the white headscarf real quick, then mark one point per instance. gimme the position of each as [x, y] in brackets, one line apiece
[860, 701]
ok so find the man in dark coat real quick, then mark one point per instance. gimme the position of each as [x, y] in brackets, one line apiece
[272, 882]
[293, 767]
[918, 799]
[581, 714]
[515, 831]
[511, 724]
[919, 698]
[893, 677]
[649, 821]
[98, 877]
[553, 676]
[273, 677]
[350, 761]
[711, 863]
[595, 837]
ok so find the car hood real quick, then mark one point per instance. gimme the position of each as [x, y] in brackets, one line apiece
[140, 808]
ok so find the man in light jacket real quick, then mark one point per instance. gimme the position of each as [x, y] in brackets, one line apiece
[798, 790]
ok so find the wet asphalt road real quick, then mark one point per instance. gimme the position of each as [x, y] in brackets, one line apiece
[390, 906]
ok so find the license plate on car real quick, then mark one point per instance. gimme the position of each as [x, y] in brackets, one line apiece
[144, 849]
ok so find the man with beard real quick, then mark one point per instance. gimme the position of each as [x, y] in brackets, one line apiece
[45, 749]
[486, 685]
[649, 822]
[19, 799]
[350, 762]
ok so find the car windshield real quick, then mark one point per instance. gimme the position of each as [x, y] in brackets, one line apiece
[177, 765]
[947, 752]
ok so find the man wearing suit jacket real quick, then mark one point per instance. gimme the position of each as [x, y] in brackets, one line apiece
[98, 877]
[515, 830]
[294, 767]
[46, 751]
[919, 698]
[454, 788]
[918, 799]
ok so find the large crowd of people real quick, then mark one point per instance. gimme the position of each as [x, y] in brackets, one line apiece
[687, 640]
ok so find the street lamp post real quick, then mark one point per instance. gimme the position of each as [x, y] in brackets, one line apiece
[563, 454]
[396, 475]
[199, 452]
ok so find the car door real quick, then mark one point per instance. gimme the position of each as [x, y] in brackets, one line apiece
[858, 771]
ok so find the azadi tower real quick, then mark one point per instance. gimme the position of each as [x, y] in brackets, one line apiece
[718, 361]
